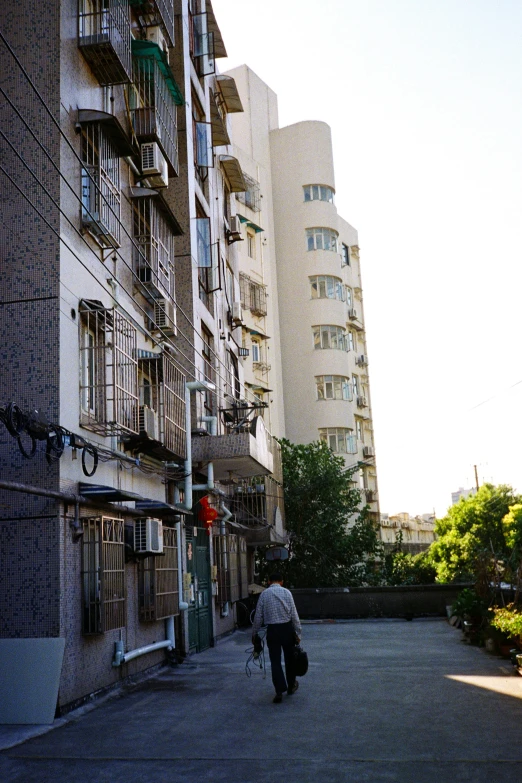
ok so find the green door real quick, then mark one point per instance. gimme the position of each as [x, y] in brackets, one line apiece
[199, 612]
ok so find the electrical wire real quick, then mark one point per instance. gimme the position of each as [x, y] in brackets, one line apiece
[114, 251]
[256, 655]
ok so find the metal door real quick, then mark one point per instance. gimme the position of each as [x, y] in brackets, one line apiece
[200, 604]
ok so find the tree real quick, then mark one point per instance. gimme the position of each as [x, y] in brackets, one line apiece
[473, 534]
[320, 501]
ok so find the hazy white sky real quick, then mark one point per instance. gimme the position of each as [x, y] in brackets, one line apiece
[424, 101]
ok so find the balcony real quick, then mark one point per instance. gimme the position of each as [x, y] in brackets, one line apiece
[154, 100]
[104, 38]
[161, 415]
[239, 454]
[157, 12]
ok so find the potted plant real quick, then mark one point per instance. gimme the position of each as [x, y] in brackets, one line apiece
[508, 620]
[471, 609]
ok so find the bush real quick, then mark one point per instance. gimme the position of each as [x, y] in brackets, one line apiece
[469, 606]
[508, 619]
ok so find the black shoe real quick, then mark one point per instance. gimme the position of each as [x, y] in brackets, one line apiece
[278, 698]
[293, 688]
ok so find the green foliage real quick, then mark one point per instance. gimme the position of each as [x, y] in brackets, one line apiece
[401, 568]
[320, 500]
[469, 606]
[508, 619]
[472, 527]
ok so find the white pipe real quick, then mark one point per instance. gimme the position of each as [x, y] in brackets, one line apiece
[183, 605]
[130, 656]
[223, 532]
[187, 502]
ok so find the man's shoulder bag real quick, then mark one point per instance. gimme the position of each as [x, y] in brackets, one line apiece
[300, 661]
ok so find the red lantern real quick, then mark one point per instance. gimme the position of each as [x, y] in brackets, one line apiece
[206, 513]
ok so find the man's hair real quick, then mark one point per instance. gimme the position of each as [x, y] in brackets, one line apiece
[277, 576]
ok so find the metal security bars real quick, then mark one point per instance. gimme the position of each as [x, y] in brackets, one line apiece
[251, 197]
[158, 594]
[100, 208]
[154, 12]
[104, 38]
[154, 249]
[154, 109]
[231, 560]
[103, 575]
[162, 392]
[108, 371]
[253, 295]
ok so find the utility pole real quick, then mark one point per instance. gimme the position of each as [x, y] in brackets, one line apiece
[476, 478]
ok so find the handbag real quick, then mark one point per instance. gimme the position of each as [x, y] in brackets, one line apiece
[300, 661]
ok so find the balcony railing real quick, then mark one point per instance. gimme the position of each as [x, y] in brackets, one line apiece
[100, 206]
[104, 38]
[154, 100]
[156, 12]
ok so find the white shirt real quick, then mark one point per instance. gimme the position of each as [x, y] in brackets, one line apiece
[276, 605]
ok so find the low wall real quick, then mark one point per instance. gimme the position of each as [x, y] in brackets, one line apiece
[403, 601]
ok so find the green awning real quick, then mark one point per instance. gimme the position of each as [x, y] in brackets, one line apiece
[250, 224]
[142, 48]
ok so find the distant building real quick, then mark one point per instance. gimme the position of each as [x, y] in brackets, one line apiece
[461, 493]
[418, 532]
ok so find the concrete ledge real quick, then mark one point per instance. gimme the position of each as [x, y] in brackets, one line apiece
[401, 601]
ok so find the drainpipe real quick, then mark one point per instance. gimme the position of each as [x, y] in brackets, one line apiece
[190, 387]
[210, 467]
[121, 657]
[223, 531]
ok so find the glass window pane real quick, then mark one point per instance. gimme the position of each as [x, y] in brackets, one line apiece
[346, 389]
[349, 297]
[314, 288]
[319, 387]
[315, 192]
[325, 337]
[333, 245]
[317, 337]
[339, 291]
[326, 239]
[203, 242]
[322, 287]
[307, 193]
[335, 335]
[330, 287]
[329, 390]
[310, 240]
[337, 389]
[318, 240]
[333, 442]
[341, 437]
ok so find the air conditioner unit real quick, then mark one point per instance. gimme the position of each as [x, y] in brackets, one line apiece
[237, 313]
[369, 451]
[148, 536]
[148, 422]
[155, 34]
[362, 360]
[165, 317]
[352, 314]
[243, 352]
[361, 402]
[153, 165]
[234, 232]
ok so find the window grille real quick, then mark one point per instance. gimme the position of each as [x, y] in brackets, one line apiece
[251, 197]
[158, 593]
[154, 248]
[154, 109]
[162, 389]
[103, 575]
[100, 209]
[157, 11]
[233, 568]
[104, 38]
[108, 371]
[253, 295]
[220, 544]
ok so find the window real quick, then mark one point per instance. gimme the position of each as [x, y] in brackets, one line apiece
[321, 239]
[339, 439]
[208, 367]
[318, 193]
[158, 592]
[333, 387]
[327, 287]
[355, 385]
[345, 255]
[202, 45]
[154, 247]
[100, 186]
[253, 295]
[349, 297]
[103, 575]
[352, 340]
[105, 39]
[256, 351]
[230, 557]
[330, 337]
[359, 429]
[232, 379]
[251, 244]
[251, 197]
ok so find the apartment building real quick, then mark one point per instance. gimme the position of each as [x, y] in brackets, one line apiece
[312, 256]
[416, 534]
[127, 427]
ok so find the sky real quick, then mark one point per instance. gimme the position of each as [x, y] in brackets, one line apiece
[424, 101]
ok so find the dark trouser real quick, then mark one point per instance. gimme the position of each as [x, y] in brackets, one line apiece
[280, 636]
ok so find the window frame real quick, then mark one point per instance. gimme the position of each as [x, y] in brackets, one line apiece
[339, 383]
[328, 236]
[320, 190]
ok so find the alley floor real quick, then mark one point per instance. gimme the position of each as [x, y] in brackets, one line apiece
[382, 701]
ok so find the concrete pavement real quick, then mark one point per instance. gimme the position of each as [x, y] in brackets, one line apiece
[382, 701]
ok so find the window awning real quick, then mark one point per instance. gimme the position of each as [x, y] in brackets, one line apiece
[228, 88]
[212, 26]
[161, 204]
[250, 224]
[220, 137]
[113, 495]
[234, 173]
[142, 48]
[111, 127]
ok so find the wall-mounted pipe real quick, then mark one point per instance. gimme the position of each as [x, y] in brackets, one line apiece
[121, 657]
[191, 386]
[183, 605]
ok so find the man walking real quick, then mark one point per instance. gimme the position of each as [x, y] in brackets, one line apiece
[276, 610]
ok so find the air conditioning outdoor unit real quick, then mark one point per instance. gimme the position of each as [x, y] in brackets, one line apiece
[362, 360]
[243, 352]
[153, 165]
[155, 34]
[361, 402]
[352, 314]
[165, 317]
[148, 422]
[237, 313]
[148, 536]
[234, 232]
[369, 451]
